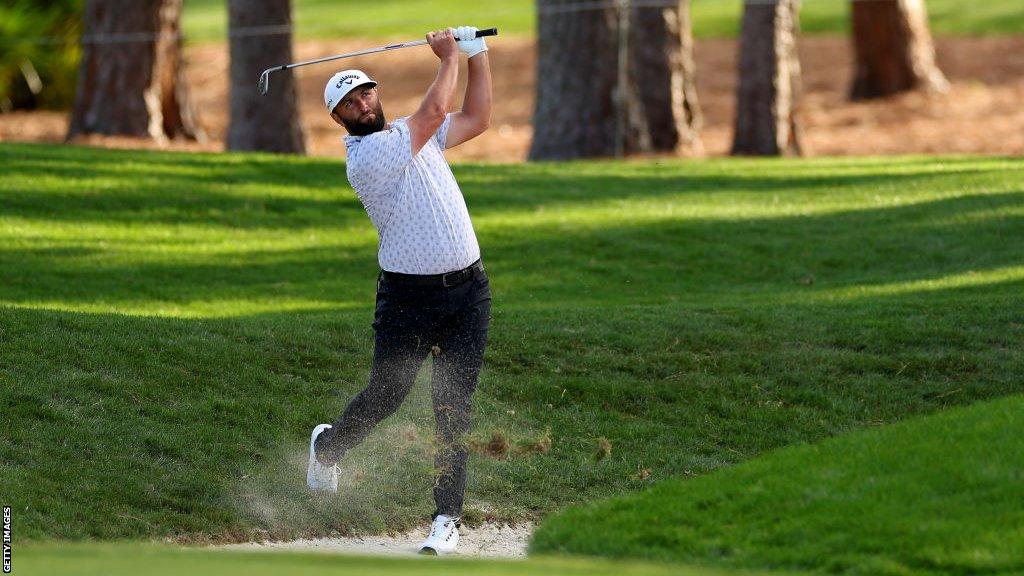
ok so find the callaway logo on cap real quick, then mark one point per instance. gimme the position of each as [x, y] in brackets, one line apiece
[341, 84]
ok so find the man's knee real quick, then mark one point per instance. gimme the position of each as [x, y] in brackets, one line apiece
[380, 400]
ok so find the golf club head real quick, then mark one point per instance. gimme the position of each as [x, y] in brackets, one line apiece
[264, 82]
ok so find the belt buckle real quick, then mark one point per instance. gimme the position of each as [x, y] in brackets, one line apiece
[444, 279]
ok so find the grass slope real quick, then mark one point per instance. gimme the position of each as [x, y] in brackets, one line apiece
[172, 325]
[132, 559]
[206, 20]
[934, 495]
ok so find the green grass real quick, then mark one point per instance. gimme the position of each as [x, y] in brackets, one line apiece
[132, 559]
[935, 495]
[172, 325]
[206, 20]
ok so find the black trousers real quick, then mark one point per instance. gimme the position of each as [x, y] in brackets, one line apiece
[410, 322]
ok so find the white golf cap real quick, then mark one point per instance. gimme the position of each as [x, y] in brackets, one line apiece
[341, 84]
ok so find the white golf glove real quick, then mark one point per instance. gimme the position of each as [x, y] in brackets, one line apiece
[468, 42]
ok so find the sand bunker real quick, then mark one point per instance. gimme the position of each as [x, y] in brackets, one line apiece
[486, 540]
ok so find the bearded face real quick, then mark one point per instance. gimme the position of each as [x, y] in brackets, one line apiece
[368, 123]
[360, 112]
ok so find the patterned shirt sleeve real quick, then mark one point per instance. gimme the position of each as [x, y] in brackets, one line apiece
[441, 136]
[378, 163]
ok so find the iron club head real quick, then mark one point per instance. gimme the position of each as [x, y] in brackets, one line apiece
[265, 82]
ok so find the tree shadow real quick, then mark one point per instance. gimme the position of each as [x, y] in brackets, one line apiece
[264, 191]
[688, 259]
[705, 261]
[551, 186]
[689, 343]
[236, 198]
[126, 426]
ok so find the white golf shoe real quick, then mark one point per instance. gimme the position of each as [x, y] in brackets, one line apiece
[318, 476]
[443, 537]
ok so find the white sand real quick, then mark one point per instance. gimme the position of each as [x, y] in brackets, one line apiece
[486, 540]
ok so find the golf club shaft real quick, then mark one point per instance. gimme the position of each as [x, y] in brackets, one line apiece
[479, 34]
[353, 54]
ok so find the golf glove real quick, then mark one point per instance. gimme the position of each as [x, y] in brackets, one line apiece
[472, 45]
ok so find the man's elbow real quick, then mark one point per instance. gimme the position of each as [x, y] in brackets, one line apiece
[436, 113]
[481, 124]
[431, 115]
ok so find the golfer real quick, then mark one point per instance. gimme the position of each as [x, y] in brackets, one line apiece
[433, 296]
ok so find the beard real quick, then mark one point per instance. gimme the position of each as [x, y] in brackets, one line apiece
[369, 126]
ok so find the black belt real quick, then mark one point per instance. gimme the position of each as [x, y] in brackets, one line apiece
[446, 280]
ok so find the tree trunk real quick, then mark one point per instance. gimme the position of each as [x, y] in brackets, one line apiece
[578, 111]
[262, 122]
[574, 115]
[131, 77]
[894, 49]
[769, 80]
[662, 52]
[179, 118]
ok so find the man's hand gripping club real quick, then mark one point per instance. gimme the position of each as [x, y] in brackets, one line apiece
[438, 100]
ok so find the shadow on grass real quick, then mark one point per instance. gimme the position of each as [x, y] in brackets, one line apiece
[687, 260]
[189, 188]
[136, 427]
[685, 344]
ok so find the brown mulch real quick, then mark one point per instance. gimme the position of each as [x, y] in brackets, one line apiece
[983, 113]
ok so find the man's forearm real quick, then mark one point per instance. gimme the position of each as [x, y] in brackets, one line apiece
[441, 93]
[477, 103]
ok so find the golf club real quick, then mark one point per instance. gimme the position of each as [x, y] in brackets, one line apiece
[265, 77]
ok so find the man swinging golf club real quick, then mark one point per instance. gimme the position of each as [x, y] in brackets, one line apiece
[432, 293]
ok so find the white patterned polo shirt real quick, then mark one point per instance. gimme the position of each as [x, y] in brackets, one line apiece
[414, 202]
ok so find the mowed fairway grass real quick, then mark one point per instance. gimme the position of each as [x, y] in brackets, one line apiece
[172, 326]
[940, 494]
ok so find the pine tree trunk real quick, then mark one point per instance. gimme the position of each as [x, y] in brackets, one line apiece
[262, 122]
[893, 48]
[578, 111]
[179, 117]
[131, 79]
[769, 80]
[574, 115]
[662, 51]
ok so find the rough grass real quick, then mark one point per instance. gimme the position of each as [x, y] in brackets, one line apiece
[935, 495]
[172, 326]
[206, 20]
